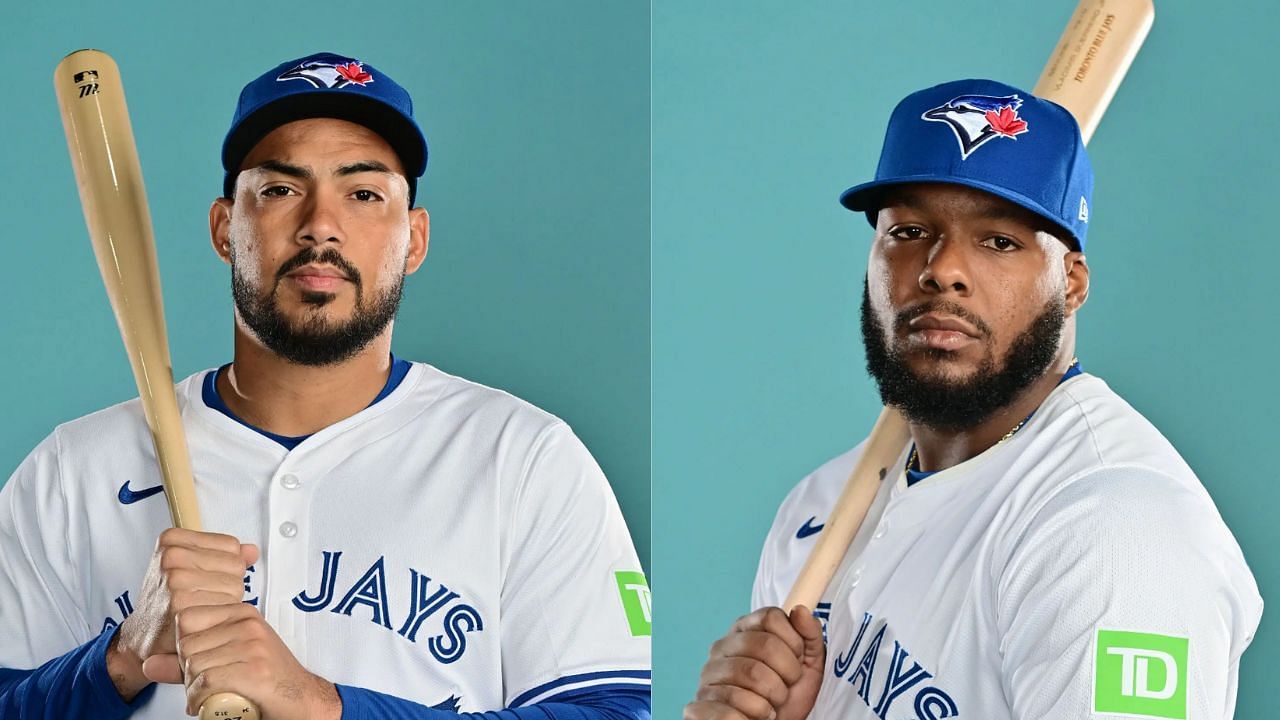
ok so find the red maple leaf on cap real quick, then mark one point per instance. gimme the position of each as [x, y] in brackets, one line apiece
[355, 73]
[1006, 122]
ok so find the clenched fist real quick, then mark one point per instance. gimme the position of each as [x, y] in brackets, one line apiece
[768, 667]
[188, 569]
[231, 648]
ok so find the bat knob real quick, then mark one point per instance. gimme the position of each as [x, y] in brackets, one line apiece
[228, 706]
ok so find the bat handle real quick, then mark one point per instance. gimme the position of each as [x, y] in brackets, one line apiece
[228, 706]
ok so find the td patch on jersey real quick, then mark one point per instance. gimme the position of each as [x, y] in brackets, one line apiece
[977, 119]
[329, 75]
[637, 602]
[1140, 674]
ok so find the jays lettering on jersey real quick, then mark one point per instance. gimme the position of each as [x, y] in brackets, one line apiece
[450, 545]
[1077, 570]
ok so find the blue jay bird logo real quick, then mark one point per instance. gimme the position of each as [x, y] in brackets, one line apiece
[976, 119]
[328, 75]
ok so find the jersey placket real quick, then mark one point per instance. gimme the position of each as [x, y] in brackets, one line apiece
[870, 613]
[288, 537]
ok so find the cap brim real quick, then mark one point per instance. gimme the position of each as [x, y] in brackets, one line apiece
[862, 198]
[403, 135]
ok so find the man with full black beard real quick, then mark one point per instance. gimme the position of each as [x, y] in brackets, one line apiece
[392, 541]
[1038, 550]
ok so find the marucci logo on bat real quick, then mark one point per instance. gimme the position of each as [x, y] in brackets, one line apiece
[86, 76]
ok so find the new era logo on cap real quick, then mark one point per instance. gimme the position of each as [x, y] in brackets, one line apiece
[329, 75]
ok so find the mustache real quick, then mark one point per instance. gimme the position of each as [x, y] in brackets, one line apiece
[901, 322]
[328, 256]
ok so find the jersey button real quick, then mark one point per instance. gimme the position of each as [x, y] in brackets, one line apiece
[288, 529]
[853, 582]
[290, 481]
[880, 531]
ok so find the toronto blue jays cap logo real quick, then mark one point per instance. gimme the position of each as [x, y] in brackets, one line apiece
[329, 75]
[976, 119]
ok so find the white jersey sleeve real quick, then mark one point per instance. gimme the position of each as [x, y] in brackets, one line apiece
[1124, 594]
[37, 572]
[575, 604]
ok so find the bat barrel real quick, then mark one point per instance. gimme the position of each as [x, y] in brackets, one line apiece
[109, 176]
[1092, 57]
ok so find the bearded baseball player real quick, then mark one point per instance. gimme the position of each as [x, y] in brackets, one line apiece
[1039, 549]
[392, 541]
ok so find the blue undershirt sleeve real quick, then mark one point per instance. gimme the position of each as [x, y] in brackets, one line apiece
[70, 687]
[612, 704]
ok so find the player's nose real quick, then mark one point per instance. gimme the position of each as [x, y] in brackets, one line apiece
[946, 268]
[320, 219]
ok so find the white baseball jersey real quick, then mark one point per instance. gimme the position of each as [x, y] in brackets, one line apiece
[1077, 570]
[450, 544]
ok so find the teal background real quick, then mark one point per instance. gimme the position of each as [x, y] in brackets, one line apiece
[537, 279]
[763, 112]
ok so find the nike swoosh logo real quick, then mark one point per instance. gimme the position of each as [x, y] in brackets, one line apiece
[128, 497]
[808, 528]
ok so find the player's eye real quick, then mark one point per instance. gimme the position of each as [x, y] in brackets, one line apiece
[908, 232]
[276, 191]
[366, 196]
[1001, 243]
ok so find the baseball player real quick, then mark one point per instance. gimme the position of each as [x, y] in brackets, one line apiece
[1039, 550]
[393, 542]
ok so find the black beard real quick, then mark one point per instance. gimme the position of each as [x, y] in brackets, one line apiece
[316, 342]
[953, 406]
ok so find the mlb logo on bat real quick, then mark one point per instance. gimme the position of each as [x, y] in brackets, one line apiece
[86, 75]
[1140, 675]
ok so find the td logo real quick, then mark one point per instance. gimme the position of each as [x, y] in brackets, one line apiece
[1140, 674]
[637, 602]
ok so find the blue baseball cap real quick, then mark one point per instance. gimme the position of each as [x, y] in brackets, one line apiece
[989, 136]
[325, 85]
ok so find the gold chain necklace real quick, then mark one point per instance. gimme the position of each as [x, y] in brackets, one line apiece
[911, 461]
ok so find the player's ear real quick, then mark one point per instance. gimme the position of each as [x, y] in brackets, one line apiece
[1076, 266]
[419, 239]
[220, 228]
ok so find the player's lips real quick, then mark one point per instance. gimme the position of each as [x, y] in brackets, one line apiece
[945, 332]
[318, 277]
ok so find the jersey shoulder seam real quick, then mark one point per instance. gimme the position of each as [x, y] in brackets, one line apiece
[1093, 431]
[481, 387]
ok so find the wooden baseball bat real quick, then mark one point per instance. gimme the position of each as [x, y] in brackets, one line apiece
[105, 158]
[1086, 67]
